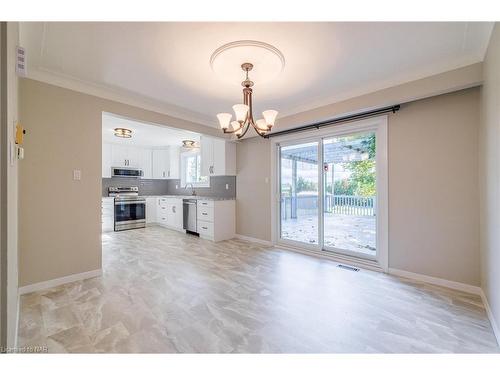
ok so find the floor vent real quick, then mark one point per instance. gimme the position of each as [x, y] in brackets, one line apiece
[350, 268]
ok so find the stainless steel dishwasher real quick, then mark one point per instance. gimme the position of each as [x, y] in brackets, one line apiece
[189, 217]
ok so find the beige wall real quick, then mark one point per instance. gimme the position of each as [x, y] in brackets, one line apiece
[60, 222]
[453, 80]
[253, 188]
[490, 175]
[433, 187]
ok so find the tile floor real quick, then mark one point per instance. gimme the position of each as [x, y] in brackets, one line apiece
[163, 291]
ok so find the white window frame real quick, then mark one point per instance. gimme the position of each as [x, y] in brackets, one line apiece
[375, 124]
[183, 157]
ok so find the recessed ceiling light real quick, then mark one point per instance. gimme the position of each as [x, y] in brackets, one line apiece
[123, 133]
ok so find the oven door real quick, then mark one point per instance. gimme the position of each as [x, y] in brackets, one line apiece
[130, 214]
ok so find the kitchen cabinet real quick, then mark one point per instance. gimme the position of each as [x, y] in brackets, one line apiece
[108, 214]
[169, 212]
[166, 163]
[125, 156]
[174, 162]
[161, 160]
[157, 164]
[216, 219]
[218, 157]
[146, 163]
[106, 160]
[151, 205]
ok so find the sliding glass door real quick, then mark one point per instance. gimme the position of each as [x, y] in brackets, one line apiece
[329, 191]
[299, 193]
[350, 191]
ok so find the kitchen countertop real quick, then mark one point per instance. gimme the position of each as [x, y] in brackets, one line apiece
[198, 197]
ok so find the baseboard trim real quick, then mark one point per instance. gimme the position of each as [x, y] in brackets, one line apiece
[59, 281]
[253, 239]
[436, 281]
[493, 322]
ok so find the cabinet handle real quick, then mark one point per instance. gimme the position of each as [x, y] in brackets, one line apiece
[173, 209]
[204, 228]
[204, 213]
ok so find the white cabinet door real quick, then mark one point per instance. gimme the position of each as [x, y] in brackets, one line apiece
[174, 162]
[219, 158]
[151, 205]
[206, 155]
[146, 163]
[134, 156]
[119, 156]
[174, 213]
[106, 160]
[160, 164]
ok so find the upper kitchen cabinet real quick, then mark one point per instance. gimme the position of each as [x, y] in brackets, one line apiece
[174, 161]
[166, 163]
[125, 156]
[218, 157]
[147, 163]
[161, 160]
[106, 160]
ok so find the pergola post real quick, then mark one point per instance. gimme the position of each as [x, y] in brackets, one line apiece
[293, 207]
[333, 186]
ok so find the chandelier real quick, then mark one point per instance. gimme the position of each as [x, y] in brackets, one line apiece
[244, 115]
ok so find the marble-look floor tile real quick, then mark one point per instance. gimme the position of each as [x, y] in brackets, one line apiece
[166, 292]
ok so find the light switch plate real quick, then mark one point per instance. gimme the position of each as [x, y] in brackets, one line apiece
[227, 186]
[77, 174]
[176, 187]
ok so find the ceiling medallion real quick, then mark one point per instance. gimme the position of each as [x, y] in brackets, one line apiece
[248, 45]
[244, 115]
[123, 133]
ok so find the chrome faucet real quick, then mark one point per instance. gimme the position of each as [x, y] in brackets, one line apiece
[192, 188]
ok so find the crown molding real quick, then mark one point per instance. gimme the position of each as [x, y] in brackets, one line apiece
[118, 95]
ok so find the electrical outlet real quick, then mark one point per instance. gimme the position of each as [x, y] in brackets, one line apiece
[77, 174]
[176, 187]
[227, 186]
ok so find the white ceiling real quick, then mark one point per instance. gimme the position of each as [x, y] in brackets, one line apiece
[143, 134]
[168, 63]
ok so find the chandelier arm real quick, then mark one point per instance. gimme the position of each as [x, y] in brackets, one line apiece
[245, 132]
[259, 131]
[231, 131]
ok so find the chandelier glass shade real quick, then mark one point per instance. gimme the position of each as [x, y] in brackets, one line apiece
[244, 115]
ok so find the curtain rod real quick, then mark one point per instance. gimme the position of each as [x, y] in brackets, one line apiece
[337, 120]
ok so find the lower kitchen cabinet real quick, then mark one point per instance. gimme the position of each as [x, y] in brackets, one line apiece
[216, 219]
[169, 212]
[108, 214]
[151, 205]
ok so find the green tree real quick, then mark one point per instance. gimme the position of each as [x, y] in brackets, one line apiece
[305, 185]
[363, 171]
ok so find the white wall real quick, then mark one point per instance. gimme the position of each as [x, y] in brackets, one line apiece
[489, 172]
[12, 188]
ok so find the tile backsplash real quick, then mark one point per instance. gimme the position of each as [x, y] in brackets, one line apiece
[168, 187]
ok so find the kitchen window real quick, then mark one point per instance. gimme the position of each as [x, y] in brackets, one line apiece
[191, 170]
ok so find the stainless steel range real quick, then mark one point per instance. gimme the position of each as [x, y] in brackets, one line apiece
[130, 209]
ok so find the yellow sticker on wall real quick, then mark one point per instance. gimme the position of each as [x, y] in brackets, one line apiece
[19, 134]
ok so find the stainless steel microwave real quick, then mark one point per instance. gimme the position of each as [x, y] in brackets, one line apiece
[126, 172]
